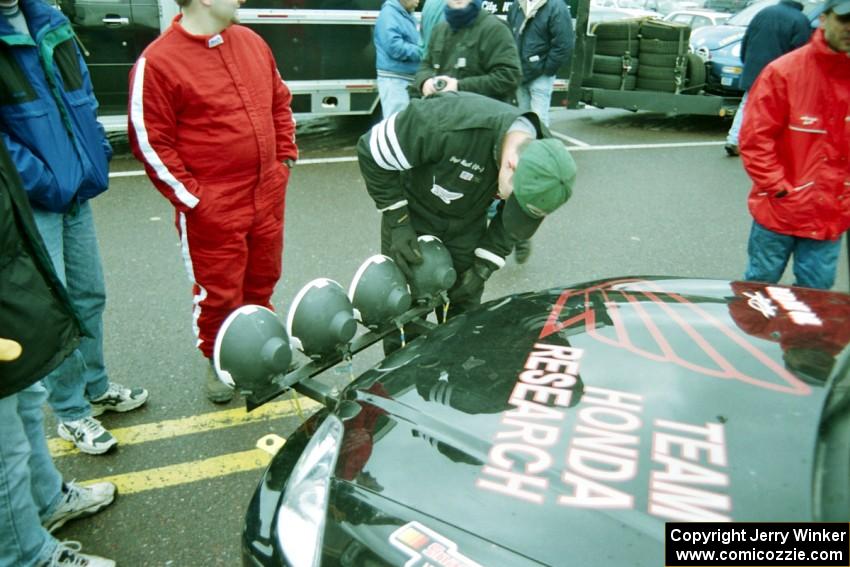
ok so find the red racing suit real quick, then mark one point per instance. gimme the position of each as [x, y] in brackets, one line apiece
[210, 119]
[795, 143]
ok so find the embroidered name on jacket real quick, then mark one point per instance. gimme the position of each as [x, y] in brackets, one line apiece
[445, 195]
[467, 164]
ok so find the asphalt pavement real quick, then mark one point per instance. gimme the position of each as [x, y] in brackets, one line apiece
[655, 195]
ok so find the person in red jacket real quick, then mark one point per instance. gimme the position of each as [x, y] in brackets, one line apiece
[210, 118]
[795, 145]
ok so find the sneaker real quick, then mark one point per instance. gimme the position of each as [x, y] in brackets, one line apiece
[522, 251]
[88, 435]
[217, 391]
[118, 398]
[732, 150]
[68, 554]
[79, 502]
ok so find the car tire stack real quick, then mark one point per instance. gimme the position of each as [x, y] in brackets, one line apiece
[615, 61]
[663, 56]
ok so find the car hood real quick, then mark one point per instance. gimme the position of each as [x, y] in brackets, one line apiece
[711, 37]
[605, 410]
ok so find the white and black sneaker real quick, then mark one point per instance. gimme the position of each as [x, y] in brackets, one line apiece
[88, 435]
[118, 398]
[79, 502]
[67, 554]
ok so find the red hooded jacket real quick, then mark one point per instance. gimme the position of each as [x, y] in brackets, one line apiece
[795, 143]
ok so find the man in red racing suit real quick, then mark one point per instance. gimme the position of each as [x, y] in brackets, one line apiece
[795, 145]
[210, 118]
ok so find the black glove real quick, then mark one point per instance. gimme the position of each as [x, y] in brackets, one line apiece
[404, 247]
[472, 281]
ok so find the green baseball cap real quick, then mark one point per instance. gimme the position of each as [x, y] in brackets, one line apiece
[543, 181]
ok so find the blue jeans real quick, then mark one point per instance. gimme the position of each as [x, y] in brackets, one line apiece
[393, 93]
[30, 485]
[72, 244]
[536, 96]
[815, 261]
[735, 129]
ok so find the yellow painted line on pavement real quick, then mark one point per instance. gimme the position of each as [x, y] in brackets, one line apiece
[171, 428]
[183, 473]
[192, 471]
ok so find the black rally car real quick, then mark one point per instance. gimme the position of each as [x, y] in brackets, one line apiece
[566, 426]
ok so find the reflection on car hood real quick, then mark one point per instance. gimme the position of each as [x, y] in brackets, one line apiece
[713, 37]
[604, 410]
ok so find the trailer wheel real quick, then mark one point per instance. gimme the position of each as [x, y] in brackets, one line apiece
[660, 47]
[616, 47]
[662, 85]
[612, 65]
[696, 71]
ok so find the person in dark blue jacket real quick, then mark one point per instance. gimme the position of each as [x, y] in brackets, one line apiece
[397, 53]
[543, 31]
[773, 32]
[49, 124]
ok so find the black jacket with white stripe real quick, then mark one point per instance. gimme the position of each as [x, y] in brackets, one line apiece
[440, 157]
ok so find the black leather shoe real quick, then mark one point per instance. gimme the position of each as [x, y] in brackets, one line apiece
[732, 150]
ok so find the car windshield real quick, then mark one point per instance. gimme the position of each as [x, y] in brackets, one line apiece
[745, 16]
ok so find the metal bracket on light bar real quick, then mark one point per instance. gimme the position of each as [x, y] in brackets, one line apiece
[302, 378]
